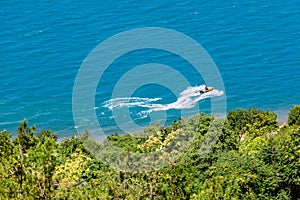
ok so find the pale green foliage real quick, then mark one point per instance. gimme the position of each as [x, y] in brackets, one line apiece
[70, 172]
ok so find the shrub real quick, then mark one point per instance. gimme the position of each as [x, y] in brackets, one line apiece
[294, 116]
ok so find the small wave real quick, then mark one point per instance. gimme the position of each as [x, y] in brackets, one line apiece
[187, 99]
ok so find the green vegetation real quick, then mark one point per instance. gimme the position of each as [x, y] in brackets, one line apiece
[252, 158]
[294, 116]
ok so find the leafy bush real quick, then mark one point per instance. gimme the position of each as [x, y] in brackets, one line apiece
[241, 123]
[294, 116]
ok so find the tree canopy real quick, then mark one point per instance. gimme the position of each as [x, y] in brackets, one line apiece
[251, 158]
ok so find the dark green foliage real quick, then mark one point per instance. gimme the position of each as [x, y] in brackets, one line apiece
[40, 163]
[165, 130]
[27, 169]
[285, 155]
[245, 122]
[294, 116]
[46, 134]
[5, 144]
[239, 120]
[128, 142]
[25, 137]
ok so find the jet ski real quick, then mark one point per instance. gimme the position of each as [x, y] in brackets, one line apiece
[207, 89]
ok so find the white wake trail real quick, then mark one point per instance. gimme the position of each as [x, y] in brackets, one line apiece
[187, 99]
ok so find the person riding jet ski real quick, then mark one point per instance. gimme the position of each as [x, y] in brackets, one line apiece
[206, 89]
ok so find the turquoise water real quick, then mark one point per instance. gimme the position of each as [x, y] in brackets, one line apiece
[255, 45]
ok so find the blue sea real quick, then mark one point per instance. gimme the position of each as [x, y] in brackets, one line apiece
[254, 44]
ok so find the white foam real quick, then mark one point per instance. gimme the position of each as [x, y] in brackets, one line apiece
[187, 99]
[129, 102]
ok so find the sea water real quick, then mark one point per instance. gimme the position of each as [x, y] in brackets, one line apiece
[255, 45]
